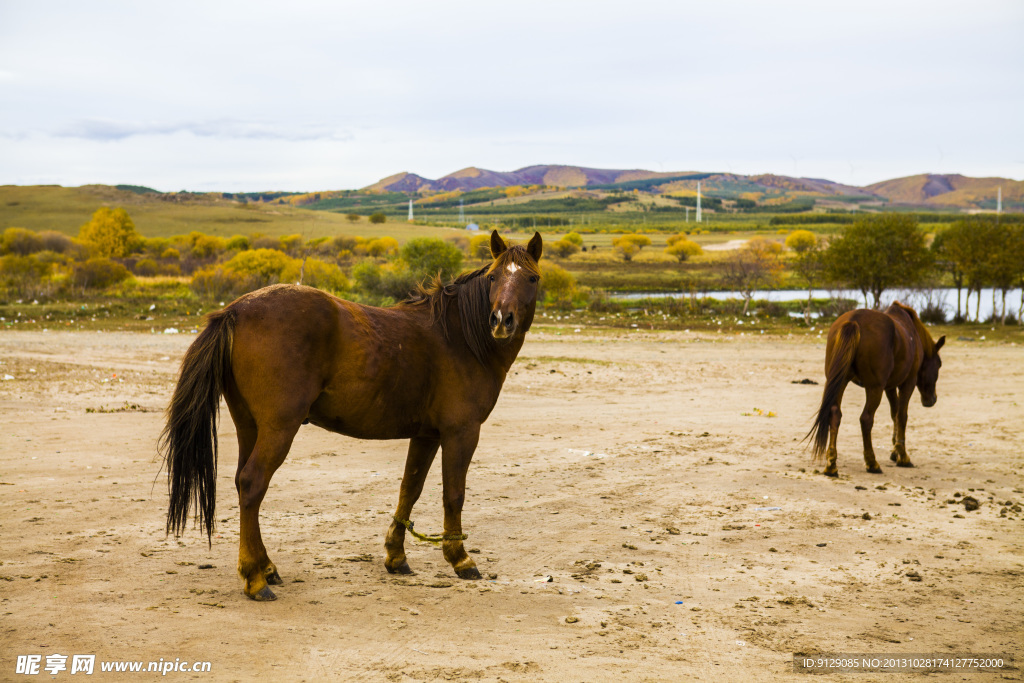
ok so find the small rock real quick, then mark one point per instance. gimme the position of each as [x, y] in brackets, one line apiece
[970, 503]
[866, 515]
[822, 545]
[570, 620]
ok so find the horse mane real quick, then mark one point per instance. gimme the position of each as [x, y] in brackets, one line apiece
[926, 338]
[470, 291]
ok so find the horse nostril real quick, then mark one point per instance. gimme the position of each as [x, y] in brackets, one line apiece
[510, 322]
[493, 320]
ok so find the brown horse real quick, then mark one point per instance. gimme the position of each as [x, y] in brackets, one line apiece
[890, 352]
[429, 370]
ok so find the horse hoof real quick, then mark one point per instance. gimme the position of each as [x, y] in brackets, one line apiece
[471, 573]
[833, 473]
[894, 457]
[273, 578]
[875, 470]
[264, 595]
[904, 464]
[403, 568]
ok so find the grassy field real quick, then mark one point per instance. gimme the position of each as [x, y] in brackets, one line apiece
[65, 209]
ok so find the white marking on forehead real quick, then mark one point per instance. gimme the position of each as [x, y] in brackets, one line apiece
[511, 267]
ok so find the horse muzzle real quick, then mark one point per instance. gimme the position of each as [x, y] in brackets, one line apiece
[502, 326]
[929, 401]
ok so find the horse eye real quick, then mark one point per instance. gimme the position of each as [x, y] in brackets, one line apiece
[533, 278]
[491, 278]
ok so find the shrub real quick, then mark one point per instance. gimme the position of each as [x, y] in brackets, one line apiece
[171, 254]
[98, 273]
[217, 282]
[382, 246]
[346, 242]
[384, 284]
[56, 241]
[316, 273]
[629, 246]
[265, 242]
[683, 248]
[801, 241]
[480, 246]
[146, 267]
[575, 238]
[238, 243]
[353, 217]
[292, 244]
[20, 241]
[23, 275]
[262, 267]
[557, 285]
[377, 217]
[205, 246]
[563, 248]
[429, 256]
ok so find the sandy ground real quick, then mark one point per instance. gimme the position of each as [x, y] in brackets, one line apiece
[658, 479]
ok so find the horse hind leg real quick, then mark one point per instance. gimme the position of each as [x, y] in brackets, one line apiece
[254, 566]
[831, 454]
[417, 464]
[247, 433]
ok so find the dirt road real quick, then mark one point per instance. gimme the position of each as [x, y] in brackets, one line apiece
[658, 479]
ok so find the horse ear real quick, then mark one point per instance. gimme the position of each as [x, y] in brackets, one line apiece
[535, 247]
[498, 245]
[938, 344]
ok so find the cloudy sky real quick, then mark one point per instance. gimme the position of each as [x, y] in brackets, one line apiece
[302, 95]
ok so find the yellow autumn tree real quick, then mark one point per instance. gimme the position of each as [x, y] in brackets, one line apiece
[110, 233]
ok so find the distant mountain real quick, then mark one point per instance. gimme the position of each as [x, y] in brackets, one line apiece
[473, 178]
[949, 191]
[937, 191]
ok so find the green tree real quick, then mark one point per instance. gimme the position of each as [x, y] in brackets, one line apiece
[353, 217]
[945, 261]
[377, 217]
[966, 245]
[429, 256]
[110, 233]
[878, 253]
[807, 262]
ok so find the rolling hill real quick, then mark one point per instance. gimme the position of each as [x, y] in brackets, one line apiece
[935, 191]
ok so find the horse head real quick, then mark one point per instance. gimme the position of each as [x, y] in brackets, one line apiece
[928, 375]
[513, 281]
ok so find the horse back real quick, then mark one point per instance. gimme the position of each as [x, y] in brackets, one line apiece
[367, 372]
[880, 358]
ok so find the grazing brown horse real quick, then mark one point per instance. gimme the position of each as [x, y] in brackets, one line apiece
[429, 370]
[889, 352]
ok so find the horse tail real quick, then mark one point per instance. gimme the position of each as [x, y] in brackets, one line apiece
[189, 441]
[836, 371]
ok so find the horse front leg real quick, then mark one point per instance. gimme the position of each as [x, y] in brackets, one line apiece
[417, 464]
[456, 453]
[899, 439]
[867, 421]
